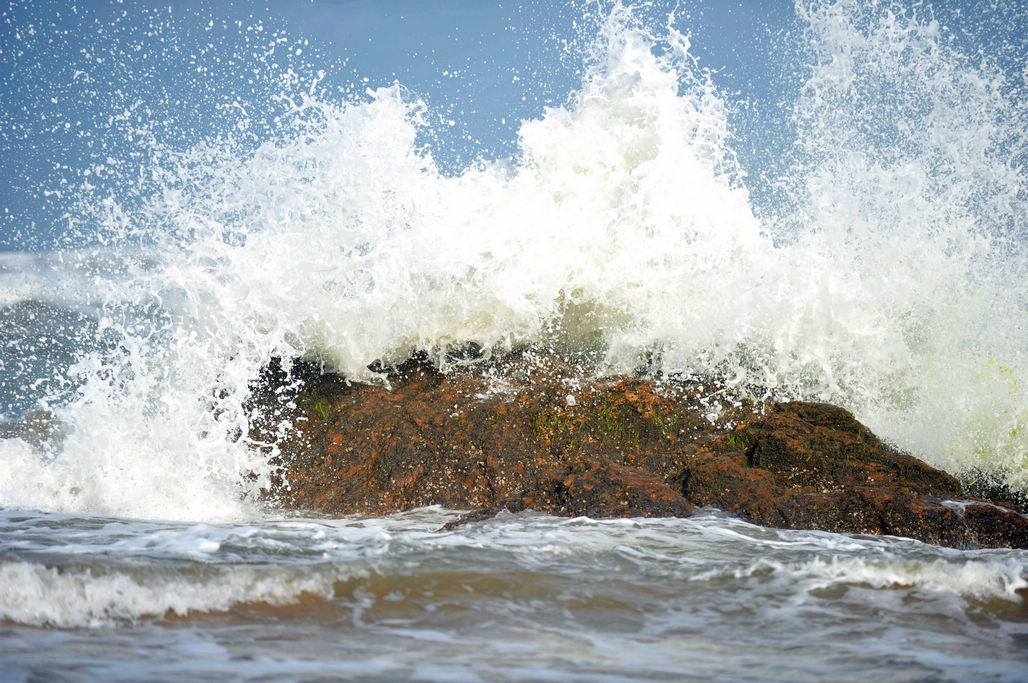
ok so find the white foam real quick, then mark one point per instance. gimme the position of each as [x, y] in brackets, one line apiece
[987, 578]
[882, 286]
[44, 596]
[905, 182]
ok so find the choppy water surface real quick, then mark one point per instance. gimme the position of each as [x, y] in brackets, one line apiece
[852, 229]
[518, 597]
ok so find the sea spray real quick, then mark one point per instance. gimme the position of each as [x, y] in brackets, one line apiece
[908, 173]
[886, 280]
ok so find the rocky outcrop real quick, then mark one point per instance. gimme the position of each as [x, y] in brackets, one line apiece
[813, 466]
[537, 433]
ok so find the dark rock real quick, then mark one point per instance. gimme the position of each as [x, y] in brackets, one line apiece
[992, 525]
[978, 483]
[600, 490]
[454, 441]
[537, 433]
[813, 466]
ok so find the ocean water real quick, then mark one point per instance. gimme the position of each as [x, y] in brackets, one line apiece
[520, 597]
[839, 217]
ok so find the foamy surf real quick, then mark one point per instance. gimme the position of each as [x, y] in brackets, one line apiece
[139, 571]
[93, 598]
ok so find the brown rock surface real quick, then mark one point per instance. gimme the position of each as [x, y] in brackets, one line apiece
[534, 432]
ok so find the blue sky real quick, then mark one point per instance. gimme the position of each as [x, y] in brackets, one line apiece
[69, 69]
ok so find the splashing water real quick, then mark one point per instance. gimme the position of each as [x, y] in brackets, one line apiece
[889, 280]
[910, 176]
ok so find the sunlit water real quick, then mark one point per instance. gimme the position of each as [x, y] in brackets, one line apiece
[877, 263]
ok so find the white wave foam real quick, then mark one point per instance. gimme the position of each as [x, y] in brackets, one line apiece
[987, 578]
[622, 231]
[905, 179]
[46, 596]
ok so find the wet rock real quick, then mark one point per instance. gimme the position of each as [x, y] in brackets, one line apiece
[471, 442]
[978, 483]
[595, 490]
[813, 466]
[534, 432]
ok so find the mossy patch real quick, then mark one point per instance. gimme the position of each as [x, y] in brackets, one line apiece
[625, 418]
